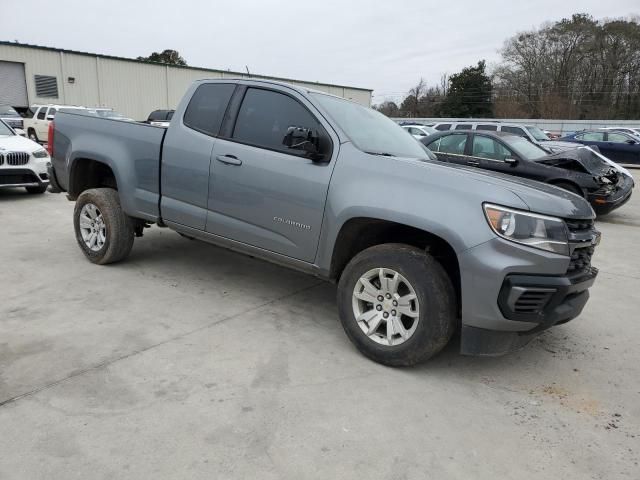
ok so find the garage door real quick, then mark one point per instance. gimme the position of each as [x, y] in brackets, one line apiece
[13, 86]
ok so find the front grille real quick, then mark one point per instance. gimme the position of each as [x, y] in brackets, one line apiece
[533, 300]
[580, 259]
[581, 236]
[14, 159]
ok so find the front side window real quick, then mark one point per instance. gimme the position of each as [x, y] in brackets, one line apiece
[617, 138]
[515, 130]
[591, 136]
[454, 144]
[207, 106]
[41, 113]
[485, 147]
[265, 117]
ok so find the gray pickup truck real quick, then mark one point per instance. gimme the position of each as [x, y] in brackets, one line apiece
[317, 183]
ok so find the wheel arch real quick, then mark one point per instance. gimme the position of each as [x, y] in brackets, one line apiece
[360, 233]
[87, 172]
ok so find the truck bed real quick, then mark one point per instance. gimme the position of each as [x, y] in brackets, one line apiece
[131, 149]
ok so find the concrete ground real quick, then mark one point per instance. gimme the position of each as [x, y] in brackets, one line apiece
[191, 362]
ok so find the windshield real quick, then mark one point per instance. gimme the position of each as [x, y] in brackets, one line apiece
[538, 134]
[370, 131]
[525, 148]
[4, 130]
[7, 111]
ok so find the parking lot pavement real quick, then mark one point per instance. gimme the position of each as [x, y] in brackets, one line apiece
[189, 361]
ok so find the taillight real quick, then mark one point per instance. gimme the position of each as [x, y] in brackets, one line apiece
[50, 139]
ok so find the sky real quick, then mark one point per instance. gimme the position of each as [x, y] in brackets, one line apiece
[382, 45]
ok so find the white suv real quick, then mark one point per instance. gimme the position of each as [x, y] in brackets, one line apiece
[23, 163]
[37, 126]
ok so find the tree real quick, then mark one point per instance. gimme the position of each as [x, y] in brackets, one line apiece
[170, 57]
[388, 108]
[469, 94]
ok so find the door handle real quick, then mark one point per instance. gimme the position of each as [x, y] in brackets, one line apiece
[229, 159]
[473, 163]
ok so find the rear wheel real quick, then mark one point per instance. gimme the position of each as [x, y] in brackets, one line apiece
[103, 231]
[37, 190]
[396, 304]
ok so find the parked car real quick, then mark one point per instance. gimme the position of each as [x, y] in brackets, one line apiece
[23, 163]
[111, 114]
[580, 170]
[320, 184]
[419, 131]
[160, 118]
[37, 123]
[631, 131]
[620, 147]
[530, 132]
[11, 117]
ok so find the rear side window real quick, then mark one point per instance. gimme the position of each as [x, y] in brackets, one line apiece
[207, 106]
[454, 144]
[265, 117]
[463, 126]
[515, 130]
[443, 126]
[41, 113]
[490, 128]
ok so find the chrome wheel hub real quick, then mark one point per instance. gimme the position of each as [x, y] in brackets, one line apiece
[92, 227]
[385, 306]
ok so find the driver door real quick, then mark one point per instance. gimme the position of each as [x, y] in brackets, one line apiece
[263, 193]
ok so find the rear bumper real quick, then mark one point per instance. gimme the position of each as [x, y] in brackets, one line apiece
[606, 204]
[55, 186]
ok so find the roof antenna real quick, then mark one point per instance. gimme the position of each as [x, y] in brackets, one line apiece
[248, 72]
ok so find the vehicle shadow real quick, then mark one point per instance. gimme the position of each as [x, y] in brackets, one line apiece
[18, 193]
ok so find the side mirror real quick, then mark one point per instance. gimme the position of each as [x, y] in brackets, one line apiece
[304, 139]
[631, 142]
[511, 161]
[50, 117]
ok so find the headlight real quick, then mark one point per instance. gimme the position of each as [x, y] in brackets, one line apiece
[42, 153]
[531, 229]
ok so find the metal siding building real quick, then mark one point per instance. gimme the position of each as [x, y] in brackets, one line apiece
[132, 87]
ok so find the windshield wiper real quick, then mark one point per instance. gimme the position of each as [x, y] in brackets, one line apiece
[383, 154]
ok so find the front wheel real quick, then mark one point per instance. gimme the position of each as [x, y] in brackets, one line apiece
[33, 136]
[396, 304]
[103, 231]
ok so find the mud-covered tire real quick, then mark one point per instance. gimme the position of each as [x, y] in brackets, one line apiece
[36, 190]
[119, 227]
[435, 296]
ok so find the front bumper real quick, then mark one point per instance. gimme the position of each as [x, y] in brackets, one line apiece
[510, 293]
[605, 204]
[22, 177]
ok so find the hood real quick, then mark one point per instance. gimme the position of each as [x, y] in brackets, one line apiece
[16, 143]
[592, 162]
[537, 196]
